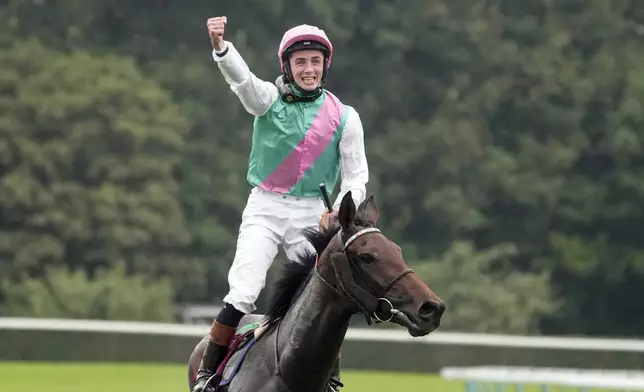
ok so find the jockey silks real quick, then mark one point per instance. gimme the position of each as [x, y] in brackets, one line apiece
[295, 146]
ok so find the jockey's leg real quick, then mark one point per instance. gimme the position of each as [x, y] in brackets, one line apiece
[222, 330]
[259, 236]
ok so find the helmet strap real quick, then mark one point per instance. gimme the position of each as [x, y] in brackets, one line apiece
[287, 93]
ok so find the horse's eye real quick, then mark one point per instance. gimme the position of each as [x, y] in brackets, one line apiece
[366, 258]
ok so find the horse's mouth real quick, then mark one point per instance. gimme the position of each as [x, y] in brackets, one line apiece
[414, 329]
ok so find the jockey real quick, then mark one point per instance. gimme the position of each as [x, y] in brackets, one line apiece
[302, 136]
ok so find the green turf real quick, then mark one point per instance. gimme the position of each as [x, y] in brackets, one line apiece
[108, 377]
[73, 377]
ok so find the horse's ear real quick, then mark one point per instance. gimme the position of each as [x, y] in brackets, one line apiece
[347, 212]
[369, 210]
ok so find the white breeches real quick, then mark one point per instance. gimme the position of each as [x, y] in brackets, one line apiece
[268, 220]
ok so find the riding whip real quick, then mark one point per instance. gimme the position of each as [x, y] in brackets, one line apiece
[325, 197]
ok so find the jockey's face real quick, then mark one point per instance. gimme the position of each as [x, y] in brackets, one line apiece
[307, 67]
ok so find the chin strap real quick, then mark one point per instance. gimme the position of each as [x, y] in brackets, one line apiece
[288, 95]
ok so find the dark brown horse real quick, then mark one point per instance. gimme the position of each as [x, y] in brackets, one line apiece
[359, 270]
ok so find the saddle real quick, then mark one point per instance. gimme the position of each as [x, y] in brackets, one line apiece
[245, 337]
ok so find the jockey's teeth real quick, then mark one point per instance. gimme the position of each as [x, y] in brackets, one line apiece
[308, 78]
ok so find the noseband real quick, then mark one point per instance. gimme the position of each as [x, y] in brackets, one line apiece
[381, 291]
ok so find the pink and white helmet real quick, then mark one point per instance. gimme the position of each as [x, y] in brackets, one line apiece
[304, 33]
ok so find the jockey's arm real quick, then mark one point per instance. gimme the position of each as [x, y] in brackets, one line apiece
[354, 170]
[255, 94]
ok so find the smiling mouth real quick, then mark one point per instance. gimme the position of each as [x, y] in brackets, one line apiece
[309, 79]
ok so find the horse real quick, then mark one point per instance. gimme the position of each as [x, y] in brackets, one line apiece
[355, 269]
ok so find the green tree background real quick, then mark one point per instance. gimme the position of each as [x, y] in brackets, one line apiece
[504, 139]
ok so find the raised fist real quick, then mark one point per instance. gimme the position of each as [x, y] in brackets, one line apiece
[216, 28]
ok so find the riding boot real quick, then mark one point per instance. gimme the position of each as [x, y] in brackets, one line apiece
[334, 382]
[216, 350]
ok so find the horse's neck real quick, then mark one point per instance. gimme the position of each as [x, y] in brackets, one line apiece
[311, 335]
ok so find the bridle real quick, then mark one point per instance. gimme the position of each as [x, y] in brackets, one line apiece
[380, 291]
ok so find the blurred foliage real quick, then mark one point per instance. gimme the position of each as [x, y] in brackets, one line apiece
[504, 139]
[112, 295]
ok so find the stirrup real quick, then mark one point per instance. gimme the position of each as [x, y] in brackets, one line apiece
[335, 384]
[211, 382]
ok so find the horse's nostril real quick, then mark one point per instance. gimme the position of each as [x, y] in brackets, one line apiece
[427, 310]
[430, 308]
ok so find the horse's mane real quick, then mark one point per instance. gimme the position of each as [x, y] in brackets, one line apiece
[295, 274]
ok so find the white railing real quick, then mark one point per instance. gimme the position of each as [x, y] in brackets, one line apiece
[355, 334]
[475, 377]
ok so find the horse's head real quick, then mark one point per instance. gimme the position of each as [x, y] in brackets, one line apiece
[371, 272]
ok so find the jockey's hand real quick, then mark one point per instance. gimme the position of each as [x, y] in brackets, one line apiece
[329, 219]
[216, 27]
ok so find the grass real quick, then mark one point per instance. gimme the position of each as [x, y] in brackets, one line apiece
[108, 377]
[111, 377]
